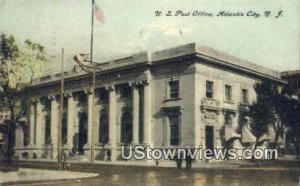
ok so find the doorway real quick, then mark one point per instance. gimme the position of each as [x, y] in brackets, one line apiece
[82, 133]
[209, 137]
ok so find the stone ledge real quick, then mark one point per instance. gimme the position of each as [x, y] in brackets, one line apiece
[24, 175]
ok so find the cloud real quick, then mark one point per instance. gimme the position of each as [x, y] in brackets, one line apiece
[183, 42]
[169, 28]
[156, 31]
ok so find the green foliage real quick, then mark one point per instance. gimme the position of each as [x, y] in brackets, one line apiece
[18, 67]
[274, 109]
[262, 112]
[289, 112]
[8, 49]
[288, 109]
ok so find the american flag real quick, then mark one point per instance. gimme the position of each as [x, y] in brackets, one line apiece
[98, 13]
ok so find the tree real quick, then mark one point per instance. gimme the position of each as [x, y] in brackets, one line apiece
[276, 109]
[18, 67]
[288, 108]
[263, 113]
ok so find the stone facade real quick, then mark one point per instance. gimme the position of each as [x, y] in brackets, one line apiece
[187, 96]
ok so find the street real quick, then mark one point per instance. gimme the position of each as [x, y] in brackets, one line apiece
[182, 177]
[130, 175]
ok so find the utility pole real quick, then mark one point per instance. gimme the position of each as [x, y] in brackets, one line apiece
[93, 114]
[79, 59]
[61, 110]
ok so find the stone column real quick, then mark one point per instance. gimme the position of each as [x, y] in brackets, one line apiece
[19, 137]
[97, 113]
[32, 124]
[54, 125]
[71, 119]
[112, 122]
[39, 124]
[147, 113]
[135, 100]
[76, 127]
[90, 119]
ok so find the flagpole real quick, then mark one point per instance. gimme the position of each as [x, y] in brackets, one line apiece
[93, 84]
[92, 30]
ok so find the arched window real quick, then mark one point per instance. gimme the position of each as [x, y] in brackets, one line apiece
[103, 133]
[126, 128]
[64, 130]
[47, 130]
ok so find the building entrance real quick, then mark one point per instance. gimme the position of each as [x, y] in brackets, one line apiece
[82, 133]
[209, 137]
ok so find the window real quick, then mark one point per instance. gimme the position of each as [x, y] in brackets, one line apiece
[174, 89]
[126, 128]
[103, 138]
[125, 91]
[82, 97]
[64, 130]
[141, 114]
[174, 119]
[47, 130]
[47, 103]
[65, 102]
[228, 119]
[209, 89]
[244, 96]
[228, 93]
[103, 95]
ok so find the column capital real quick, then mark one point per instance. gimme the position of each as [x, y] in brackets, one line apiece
[52, 97]
[33, 100]
[146, 83]
[69, 94]
[144, 78]
[137, 83]
[131, 83]
[110, 87]
[88, 91]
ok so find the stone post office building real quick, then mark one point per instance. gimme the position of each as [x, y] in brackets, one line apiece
[179, 97]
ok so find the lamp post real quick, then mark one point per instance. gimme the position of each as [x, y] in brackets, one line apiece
[79, 59]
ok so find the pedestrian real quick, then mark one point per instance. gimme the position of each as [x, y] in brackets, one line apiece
[178, 161]
[71, 154]
[188, 160]
[64, 161]
[108, 154]
[68, 167]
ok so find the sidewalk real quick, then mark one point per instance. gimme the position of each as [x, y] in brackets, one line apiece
[283, 163]
[26, 174]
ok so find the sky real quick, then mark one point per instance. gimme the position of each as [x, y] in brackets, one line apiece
[131, 26]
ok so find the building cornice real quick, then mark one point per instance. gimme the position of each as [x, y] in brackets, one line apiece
[187, 53]
[291, 73]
